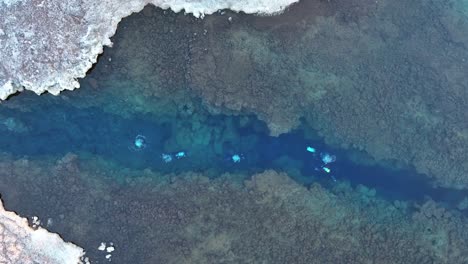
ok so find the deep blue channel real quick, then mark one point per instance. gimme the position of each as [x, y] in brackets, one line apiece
[55, 128]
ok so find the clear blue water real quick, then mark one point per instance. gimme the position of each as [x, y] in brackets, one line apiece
[56, 127]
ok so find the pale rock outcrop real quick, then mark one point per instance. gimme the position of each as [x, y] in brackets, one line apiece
[22, 244]
[47, 45]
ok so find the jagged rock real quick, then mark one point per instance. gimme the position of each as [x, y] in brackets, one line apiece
[47, 45]
[22, 244]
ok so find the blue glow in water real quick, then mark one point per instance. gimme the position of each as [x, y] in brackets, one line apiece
[140, 142]
[236, 158]
[181, 154]
[327, 158]
[166, 157]
[311, 149]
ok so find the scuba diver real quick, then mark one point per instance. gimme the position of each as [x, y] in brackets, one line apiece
[236, 158]
[325, 161]
[139, 143]
[327, 158]
[181, 154]
[168, 157]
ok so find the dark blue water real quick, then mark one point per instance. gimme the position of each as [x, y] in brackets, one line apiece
[56, 127]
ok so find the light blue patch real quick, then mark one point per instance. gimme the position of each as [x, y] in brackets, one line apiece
[236, 158]
[311, 149]
[139, 143]
[326, 169]
[180, 154]
[327, 158]
[166, 157]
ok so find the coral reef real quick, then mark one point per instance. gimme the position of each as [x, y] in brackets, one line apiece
[361, 76]
[394, 100]
[152, 218]
[232, 74]
[23, 244]
[47, 45]
[384, 99]
[353, 71]
[259, 64]
[148, 77]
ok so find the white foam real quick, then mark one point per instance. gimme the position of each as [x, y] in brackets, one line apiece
[199, 8]
[102, 247]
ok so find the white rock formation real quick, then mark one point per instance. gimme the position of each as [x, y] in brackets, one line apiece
[45, 45]
[19, 243]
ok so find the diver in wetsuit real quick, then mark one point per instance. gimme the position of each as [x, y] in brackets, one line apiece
[325, 160]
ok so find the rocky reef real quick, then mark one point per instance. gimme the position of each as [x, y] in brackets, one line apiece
[358, 72]
[47, 45]
[22, 244]
[352, 71]
[153, 218]
[361, 76]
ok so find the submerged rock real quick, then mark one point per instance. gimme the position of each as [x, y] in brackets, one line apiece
[13, 125]
[356, 71]
[189, 218]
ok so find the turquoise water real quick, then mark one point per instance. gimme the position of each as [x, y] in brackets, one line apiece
[54, 127]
